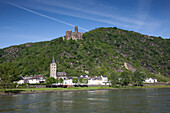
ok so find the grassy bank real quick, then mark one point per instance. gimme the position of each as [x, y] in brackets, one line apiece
[35, 90]
[39, 90]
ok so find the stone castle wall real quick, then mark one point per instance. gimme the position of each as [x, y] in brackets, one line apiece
[73, 35]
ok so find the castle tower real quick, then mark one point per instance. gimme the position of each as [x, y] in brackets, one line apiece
[68, 34]
[53, 68]
[76, 29]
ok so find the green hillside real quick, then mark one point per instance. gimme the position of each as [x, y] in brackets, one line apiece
[101, 51]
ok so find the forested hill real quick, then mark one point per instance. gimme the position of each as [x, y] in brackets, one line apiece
[101, 51]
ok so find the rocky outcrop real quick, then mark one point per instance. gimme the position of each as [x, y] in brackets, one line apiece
[129, 67]
[11, 53]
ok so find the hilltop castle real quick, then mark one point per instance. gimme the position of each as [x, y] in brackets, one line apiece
[73, 35]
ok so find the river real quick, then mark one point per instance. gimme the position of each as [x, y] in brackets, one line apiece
[98, 101]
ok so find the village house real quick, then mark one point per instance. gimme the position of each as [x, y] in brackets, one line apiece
[31, 79]
[62, 75]
[150, 80]
[68, 81]
[98, 80]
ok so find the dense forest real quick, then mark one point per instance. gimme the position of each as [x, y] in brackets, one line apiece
[102, 51]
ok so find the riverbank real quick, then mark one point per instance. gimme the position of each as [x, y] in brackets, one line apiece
[46, 90]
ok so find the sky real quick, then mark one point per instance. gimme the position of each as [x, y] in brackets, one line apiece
[25, 21]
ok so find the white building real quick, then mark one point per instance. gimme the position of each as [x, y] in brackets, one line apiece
[68, 81]
[98, 80]
[19, 82]
[36, 79]
[150, 80]
[104, 79]
[62, 75]
[32, 79]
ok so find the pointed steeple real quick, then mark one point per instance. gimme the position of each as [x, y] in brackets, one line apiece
[53, 61]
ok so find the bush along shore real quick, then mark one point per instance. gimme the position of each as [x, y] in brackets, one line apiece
[45, 90]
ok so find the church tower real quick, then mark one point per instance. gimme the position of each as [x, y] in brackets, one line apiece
[53, 69]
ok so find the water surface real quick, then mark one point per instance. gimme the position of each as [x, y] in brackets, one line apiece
[99, 101]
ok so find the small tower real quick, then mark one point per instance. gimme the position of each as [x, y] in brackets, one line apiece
[53, 69]
[76, 29]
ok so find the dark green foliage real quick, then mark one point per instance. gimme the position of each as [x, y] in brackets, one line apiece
[60, 80]
[125, 78]
[8, 74]
[75, 80]
[80, 80]
[113, 78]
[101, 51]
[139, 77]
[50, 80]
[85, 81]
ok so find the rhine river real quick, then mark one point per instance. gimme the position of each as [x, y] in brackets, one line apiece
[97, 101]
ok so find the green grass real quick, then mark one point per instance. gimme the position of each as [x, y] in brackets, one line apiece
[57, 89]
[18, 90]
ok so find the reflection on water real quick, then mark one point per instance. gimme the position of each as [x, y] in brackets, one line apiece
[133, 100]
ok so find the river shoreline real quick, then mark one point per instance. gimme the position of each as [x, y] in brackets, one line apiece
[53, 91]
[34, 91]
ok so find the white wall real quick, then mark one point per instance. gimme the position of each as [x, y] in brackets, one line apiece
[19, 82]
[95, 82]
[150, 80]
[35, 81]
[68, 82]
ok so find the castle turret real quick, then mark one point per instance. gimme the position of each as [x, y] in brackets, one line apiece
[68, 34]
[76, 29]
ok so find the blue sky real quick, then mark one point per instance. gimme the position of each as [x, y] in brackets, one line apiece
[23, 21]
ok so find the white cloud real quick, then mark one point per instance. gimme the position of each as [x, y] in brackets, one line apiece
[141, 20]
[37, 13]
[98, 12]
[93, 10]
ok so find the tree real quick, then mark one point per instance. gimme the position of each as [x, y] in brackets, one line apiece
[80, 80]
[50, 80]
[113, 78]
[125, 78]
[75, 80]
[139, 77]
[8, 73]
[60, 80]
[85, 81]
